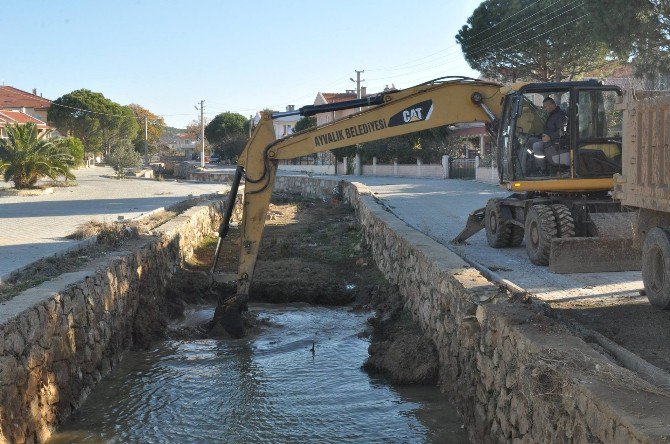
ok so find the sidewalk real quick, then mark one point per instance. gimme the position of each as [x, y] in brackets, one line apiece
[34, 227]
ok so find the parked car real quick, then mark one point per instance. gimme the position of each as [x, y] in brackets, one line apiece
[214, 159]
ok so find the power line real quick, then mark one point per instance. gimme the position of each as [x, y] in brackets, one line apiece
[455, 45]
[112, 115]
[507, 39]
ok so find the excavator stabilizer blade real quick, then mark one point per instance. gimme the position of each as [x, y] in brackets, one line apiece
[615, 248]
[594, 255]
[474, 224]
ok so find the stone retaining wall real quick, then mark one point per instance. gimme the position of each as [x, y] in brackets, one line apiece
[515, 374]
[58, 339]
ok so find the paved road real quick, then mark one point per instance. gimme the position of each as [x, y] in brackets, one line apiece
[439, 209]
[34, 227]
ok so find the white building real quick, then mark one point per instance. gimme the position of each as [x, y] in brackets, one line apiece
[284, 126]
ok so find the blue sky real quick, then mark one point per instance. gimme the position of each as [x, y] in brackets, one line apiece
[237, 56]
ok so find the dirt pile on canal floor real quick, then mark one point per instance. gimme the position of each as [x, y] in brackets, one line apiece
[311, 252]
[398, 349]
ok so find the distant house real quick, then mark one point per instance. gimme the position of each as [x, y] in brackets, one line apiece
[10, 117]
[328, 98]
[283, 126]
[14, 99]
[186, 144]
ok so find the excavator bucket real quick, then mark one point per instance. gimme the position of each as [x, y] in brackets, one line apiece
[614, 249]
[472, 226]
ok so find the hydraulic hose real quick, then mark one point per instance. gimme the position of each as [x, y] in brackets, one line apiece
[225, 223]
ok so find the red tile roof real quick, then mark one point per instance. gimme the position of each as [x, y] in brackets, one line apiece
[11, 97]
[11, 117]
[469, 130]
[338, 97]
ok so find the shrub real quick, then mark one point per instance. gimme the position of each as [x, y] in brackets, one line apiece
[123, 156]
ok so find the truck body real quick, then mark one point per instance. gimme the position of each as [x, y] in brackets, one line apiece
[644, 185]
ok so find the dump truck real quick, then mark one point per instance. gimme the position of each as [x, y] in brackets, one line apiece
[559, 201]
[644, 185]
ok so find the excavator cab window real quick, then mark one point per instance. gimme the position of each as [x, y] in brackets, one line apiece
[599, 133]
[538, 160]
[508, 152]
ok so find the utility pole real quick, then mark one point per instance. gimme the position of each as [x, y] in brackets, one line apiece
[358, 84]
[202, 132]
[146, 142]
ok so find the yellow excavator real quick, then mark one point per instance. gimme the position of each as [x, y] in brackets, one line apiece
[555, 200]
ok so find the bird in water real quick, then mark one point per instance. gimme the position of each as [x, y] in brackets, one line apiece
[313, 349]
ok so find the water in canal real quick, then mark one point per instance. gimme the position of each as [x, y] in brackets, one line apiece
[266, 388]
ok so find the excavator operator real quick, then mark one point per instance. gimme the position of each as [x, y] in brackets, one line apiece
[556, 121]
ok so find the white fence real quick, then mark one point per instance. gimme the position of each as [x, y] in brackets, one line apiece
[419, 169]
[314, 169]
[487, 174]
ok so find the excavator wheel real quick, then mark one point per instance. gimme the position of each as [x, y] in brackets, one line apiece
[498, 234]
[516, 239]
[656, 267]
[540, 230]
[565, 223]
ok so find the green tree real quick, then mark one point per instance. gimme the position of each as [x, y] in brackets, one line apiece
[122, 156]
[428, 145]
[74, 147]
[307, 122]
[225, 127]
[228, 132]
[540, 40]
[637, 31]
[155, 128]
[93, 118]
[25, 157]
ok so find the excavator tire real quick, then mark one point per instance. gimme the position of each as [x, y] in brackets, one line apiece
[656, 267]
[516, 239]
[497, 234]
[565, 223]
[540, 230]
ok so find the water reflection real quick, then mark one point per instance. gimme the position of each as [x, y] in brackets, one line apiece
[269, 388]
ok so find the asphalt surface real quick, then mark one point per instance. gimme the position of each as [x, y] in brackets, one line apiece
[32, 227]
[440, 208]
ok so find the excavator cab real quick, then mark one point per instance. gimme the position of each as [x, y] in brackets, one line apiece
[588, 148]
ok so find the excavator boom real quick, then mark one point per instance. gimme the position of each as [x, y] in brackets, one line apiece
[429, 105]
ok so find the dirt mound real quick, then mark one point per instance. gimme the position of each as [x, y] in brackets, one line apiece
[398, 348]
[298, 280]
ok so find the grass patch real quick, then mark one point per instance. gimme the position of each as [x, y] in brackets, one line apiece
[45, 269]
[109, 233]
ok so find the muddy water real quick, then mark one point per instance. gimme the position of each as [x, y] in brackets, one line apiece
[267, 388]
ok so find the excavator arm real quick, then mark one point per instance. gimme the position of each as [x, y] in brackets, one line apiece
[433, 104]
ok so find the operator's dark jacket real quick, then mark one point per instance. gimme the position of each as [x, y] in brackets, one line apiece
[555, 123]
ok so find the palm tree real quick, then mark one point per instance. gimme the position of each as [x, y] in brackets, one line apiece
[25, 157]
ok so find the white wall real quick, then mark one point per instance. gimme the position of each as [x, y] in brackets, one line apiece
[315, 169]
[487, 174]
